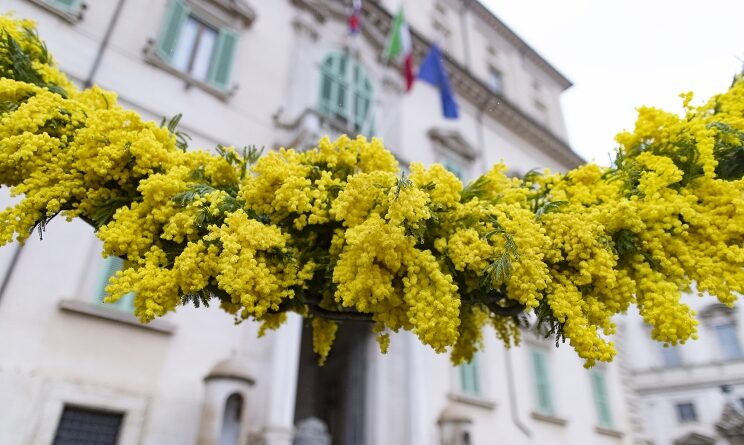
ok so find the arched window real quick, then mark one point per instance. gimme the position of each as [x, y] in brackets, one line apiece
[230, 432]
[346, 93]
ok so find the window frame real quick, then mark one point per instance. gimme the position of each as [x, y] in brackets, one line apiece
[69, 407]
[714, 317]
[111, 266]
[160, 50]
[62, 392]
[726, 353]
[681, 415]
[72, 14]
[601, 396]
[670, 356]
[347, 79]
[469, 378]
[546, 407]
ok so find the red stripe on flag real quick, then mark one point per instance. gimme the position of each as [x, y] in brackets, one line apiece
[408, 70]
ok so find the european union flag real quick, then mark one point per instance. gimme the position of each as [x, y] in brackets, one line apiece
[432, 71]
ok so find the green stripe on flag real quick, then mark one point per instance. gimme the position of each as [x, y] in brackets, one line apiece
[395, 46]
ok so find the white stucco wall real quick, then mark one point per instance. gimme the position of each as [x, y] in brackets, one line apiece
[50, 356]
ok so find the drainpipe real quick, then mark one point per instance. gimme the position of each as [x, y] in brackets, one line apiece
[104, 45]
[513, 409]
[9, 271]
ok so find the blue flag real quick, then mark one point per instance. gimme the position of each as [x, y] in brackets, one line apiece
[432, 71]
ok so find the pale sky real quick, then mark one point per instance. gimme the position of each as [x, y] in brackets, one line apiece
[623, 54]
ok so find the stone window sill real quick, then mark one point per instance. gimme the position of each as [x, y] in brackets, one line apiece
[70, 16]
[608, 432]
[154, 60]
[476, 401]
[549, 418]
[100, 311]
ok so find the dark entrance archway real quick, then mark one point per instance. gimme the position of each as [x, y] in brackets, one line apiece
[335, 392]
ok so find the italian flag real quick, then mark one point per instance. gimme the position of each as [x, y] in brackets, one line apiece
[399, 47]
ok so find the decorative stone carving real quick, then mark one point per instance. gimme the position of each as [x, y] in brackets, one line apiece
[312, 431]
[731, 425]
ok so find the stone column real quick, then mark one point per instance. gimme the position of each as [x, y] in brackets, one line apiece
[417, 429]
[279, 429]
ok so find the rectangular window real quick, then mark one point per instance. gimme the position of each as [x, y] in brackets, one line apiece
[541, 377]
[670, 356]
[495, 80]
[470, 377]
[82, 426]
[686, 412]
[601, 398]
[111, 266]
[196, 47]
[728, 341]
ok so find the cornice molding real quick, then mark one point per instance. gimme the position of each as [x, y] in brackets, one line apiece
[377, 21]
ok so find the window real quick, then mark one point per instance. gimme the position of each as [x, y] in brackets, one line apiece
[721, 322]
[70, 10]
[670, 356]
[197, 47]
[346, 93]
[111, 266]
[82, 426]
[231, 418]
[686, 412]
[541, 377]
[728, 340]
[601, 398]
[495, 80]
[470, 377]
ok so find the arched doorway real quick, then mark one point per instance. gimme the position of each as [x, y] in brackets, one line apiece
[335, 392]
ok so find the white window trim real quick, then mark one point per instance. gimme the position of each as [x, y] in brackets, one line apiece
[70, 16]
[88, 289]
[91, 397]
[214, 13]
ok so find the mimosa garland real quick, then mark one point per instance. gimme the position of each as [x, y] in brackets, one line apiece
[338, 233]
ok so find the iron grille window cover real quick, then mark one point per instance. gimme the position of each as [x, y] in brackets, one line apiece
[83, 426]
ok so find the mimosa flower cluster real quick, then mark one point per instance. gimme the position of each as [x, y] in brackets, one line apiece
[336, 232]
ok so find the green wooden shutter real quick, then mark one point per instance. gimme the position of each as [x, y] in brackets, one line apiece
[341, 99]
[111, 266]
[541, 376]
[469, 377]
[334, 87]
[222, 59]
[601, 400]
[325, 96]
[362, 100]
[174, 18]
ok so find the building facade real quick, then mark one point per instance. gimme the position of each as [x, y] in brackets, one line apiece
[282, 73]
[693, 393]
